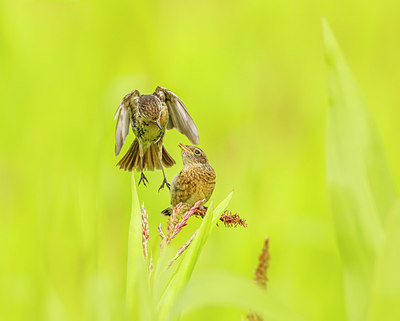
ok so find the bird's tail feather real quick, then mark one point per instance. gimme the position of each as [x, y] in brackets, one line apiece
[167, 159]
[151, 158]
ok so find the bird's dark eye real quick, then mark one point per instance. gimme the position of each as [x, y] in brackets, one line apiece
[197, 152]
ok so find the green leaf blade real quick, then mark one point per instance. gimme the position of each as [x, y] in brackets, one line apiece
[224, 289]
[185, 269]
[137, 288]
[359, 183]
[386, 298]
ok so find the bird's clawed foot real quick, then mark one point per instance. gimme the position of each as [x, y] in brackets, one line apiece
[143, 179]
[165, 182]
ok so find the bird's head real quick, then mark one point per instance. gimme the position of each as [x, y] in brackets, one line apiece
[149, 108]
[193, 156]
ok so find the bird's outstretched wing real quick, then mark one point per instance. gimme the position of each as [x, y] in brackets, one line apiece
[179, 116]
[124, 114]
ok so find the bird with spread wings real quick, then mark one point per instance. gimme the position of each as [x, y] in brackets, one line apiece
[150, 116]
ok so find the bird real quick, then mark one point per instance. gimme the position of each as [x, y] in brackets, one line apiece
[195, 182]
[150, 116]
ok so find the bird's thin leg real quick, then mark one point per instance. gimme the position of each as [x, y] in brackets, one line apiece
[165, 182]
[142, 177]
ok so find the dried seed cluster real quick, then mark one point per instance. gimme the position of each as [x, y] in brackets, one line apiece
[261, 275]
[232, 220]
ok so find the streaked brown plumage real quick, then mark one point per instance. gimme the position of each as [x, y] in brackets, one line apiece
[195, 182]
[149, 117]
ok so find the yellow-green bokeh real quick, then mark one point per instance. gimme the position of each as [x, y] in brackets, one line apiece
[252, 75]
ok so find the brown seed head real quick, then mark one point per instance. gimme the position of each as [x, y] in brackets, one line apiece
[254, 317]
[261, 271]
[174, 219]
[232, 220]
[145, 230]
[261, 275]
[182, 249]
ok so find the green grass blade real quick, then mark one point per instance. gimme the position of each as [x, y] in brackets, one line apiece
[223, 289]
[355, 143]
[185, 268]
[162, 275]
[195, 249]
[184, 271]
[385, 305]
[137, 289]
[360, 187]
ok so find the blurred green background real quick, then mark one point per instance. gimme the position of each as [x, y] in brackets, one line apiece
[253, 77]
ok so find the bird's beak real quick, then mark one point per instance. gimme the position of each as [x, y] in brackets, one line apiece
[158, 124]
[184, 148]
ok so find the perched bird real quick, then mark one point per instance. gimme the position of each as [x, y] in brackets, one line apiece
[195, 182]
[150, 116]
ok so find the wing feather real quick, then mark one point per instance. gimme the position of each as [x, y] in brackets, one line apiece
[179, 117]
[124, 114]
